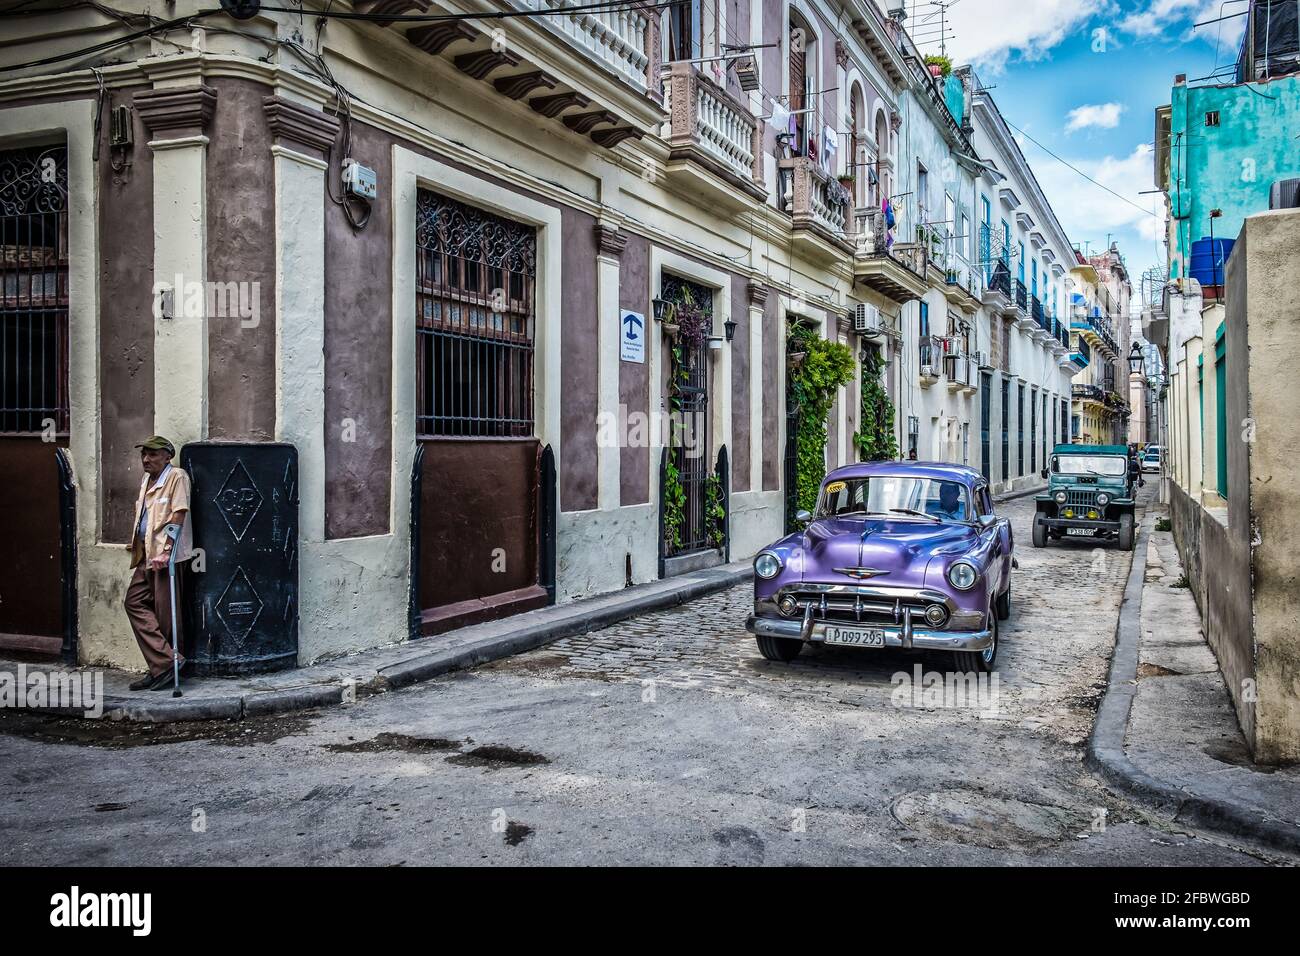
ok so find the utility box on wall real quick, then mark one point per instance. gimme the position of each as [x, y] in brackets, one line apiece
[244, 600]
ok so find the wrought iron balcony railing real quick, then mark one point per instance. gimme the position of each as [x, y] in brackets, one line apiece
[1022, 294]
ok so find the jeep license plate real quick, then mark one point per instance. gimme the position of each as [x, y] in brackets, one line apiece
[855, 636]
[1081, 532]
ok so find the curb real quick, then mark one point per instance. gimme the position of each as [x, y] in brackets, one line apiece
[1106, 756]
[421, 666]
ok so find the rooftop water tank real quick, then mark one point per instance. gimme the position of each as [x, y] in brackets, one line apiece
[1210, 260]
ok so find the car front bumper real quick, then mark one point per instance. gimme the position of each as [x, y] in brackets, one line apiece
[905, 636]
[1080, 523]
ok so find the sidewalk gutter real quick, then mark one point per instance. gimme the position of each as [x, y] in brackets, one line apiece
[1107, 757]
[530, 631]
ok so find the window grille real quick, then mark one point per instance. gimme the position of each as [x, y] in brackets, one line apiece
[475, 321]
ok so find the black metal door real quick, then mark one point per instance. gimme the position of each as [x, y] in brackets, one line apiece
[244, 585]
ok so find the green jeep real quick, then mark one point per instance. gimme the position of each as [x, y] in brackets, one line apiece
[1088, 489]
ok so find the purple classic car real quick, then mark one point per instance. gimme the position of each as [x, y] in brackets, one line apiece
[899, 554]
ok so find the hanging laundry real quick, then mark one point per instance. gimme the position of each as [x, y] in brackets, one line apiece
[780, 117]
[832, 147]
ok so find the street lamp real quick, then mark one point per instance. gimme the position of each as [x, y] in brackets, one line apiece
[1135, 360]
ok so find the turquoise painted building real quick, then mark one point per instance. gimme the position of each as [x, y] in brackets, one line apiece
[1223, 146]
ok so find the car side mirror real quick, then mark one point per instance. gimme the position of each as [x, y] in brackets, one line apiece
[988, 521]
[803, 517]
[1047, 473]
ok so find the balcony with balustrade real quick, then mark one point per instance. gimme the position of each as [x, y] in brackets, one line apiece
[962, 371]
[603, 93]
[1018, 308]
[997, 291]
[1080, 355]
[715, 142]
[896, 271]
[819, 210]
[930, 355]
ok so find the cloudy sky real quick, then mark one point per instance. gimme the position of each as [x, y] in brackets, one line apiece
[1083, 79]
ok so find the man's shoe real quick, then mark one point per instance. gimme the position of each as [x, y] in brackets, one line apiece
[144, 683]
[162, 681]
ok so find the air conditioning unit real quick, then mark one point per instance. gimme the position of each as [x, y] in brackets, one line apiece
[866, 320]
[927, 371]
[979, 359]
[1284, 194]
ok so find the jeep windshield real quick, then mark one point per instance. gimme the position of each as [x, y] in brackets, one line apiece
[895, 496]
[1105, 466]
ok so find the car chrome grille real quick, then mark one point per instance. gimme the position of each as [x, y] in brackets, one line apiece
[1087, 499]
[850, 608]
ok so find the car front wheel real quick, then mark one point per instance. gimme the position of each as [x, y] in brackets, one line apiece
[1003, 606]
[778, 648]
[1126, 532]
[1040, 533]
[981, 661]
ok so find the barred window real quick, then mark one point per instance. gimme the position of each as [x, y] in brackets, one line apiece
[475, 321]
[34, 290]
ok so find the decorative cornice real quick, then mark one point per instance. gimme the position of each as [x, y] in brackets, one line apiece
[841, 53]
[521, 84]
[609, 138]
[757, 293]
[394, 8]
[184, 110]
[610, 240]
[584, 122]
[553, 106]
[480, 63]
[301, 125]
[436, 37]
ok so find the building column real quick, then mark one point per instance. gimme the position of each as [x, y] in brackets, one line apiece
[177, 119]
[757, 310]
[301, 139]
[610, 242]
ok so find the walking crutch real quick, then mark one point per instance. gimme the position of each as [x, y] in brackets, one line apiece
[173, 531]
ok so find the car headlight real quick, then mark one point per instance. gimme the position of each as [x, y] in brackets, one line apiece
[1060, 497]
[1103, 499]
[962, 575]
[767, 565]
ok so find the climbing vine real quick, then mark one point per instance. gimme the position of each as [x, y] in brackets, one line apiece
[715, 512]
[824, 368]
[876, 440]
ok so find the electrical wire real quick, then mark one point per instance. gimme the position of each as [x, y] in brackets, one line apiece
[1076, 168]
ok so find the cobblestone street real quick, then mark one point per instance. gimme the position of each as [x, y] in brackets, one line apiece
[666, 739]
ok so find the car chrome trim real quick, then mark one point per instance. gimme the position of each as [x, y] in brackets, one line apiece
[918, 638]
[884, 592]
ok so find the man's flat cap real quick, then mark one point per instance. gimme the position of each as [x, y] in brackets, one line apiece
[158, 443]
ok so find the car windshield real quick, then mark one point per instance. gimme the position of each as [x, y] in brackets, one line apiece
[1108, 466]
[895, 496]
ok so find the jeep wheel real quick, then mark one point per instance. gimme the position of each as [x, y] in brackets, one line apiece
[778, 648]
[1126, 532]
[1003, 606]
[980, 661]
[1040, 532]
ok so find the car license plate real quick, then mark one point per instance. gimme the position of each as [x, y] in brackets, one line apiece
[855, 636]
[1082, 532]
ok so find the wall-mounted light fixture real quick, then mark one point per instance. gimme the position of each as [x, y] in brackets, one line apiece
[729, 327]
[663, 309]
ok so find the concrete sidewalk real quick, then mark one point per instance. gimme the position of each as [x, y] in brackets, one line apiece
[1166, 732]
[398, 665]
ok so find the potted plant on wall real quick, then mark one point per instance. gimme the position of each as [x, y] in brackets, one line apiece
[939, 65]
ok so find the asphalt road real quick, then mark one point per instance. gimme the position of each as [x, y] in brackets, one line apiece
[663, 740]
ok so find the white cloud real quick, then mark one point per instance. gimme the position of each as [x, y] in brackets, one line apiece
[1178, 17]
[987, 32]
[1089, 213]
[1100, 115]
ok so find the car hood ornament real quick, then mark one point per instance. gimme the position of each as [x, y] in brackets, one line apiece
[860, 573]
